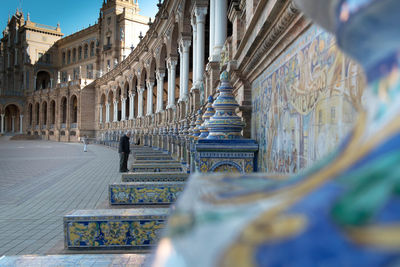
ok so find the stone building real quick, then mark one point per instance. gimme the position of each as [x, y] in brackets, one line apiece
[297, 94]
[44, 76]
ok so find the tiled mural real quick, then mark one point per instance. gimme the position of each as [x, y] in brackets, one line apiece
[304, 103]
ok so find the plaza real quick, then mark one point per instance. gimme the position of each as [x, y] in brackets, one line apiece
[40, 182]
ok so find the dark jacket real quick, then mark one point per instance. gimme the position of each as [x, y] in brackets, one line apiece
[124, 145]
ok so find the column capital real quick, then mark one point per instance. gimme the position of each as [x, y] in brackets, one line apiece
[2, 115]
[21, 116]
[172, 62]
[200, 13]
[141, 90]
[132, 93]
[150, 83]
[185, 44]
[193, 22]
[160, 74]
[123, 99]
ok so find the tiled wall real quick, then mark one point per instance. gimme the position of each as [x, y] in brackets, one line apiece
[304, 103]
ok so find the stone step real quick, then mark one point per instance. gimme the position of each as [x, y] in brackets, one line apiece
[154, 177]
[114, 228]
[117, 260]
[153, 157]
[158, 161]
[145, 193]
[154, 167]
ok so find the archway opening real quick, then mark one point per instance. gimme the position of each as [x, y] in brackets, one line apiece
[12, 119]
[42, 80]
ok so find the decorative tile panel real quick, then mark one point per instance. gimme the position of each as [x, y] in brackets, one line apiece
[145, 193]
[122, 228]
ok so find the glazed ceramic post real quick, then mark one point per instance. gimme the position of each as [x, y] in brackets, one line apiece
[225, 124]
[206, 118]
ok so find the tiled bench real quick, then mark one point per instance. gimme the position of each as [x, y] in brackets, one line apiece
[101, 260]
[147, 193]
[114, 228]
[157, 167]
[155, 177]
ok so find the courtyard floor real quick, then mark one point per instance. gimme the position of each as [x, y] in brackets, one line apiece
[40, 181]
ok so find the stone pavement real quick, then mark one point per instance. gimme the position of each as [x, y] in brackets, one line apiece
[40, 182]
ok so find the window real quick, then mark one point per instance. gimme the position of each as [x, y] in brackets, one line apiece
[64, 76]
[89, 71]
[108, 65]
[74, 55]
[69, 57]
[63, 58]
[48, 58]
[80, 53]
[40, 57]
[86, 52]
[108, 40]
[92, 49]
[76, 73]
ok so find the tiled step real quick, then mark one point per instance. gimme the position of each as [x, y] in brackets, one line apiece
[155, 167]
[154, 177]
[99, 260]
[147, 193]
[114, 228]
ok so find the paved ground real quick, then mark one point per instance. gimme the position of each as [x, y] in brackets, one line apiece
[40, 181]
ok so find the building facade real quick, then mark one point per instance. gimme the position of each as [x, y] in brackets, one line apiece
[43, 75]
[297, 94]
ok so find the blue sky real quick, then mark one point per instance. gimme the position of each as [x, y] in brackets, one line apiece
[73, 15]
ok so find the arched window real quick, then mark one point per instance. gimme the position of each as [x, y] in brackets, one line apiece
[74, 110]
[74, 55]
[37, 113]
[30, 114]
[63, 58]
[64, 110]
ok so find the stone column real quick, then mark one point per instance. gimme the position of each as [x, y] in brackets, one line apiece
[180, 50]
[185, 69]
[115, 110]
[212, 28]
[13, 124]
[21, 117]
[34, 83]
[194, 70]
[131, 106]
[140, 101]
[171, 63]
[160, 87]
[101, 114]
[200, 13]
[220, 28]
[2, 123]
[150, 86]
[108, 112]
[123, 107]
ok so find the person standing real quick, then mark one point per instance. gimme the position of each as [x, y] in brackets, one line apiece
[85, 143]
[124, 150]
